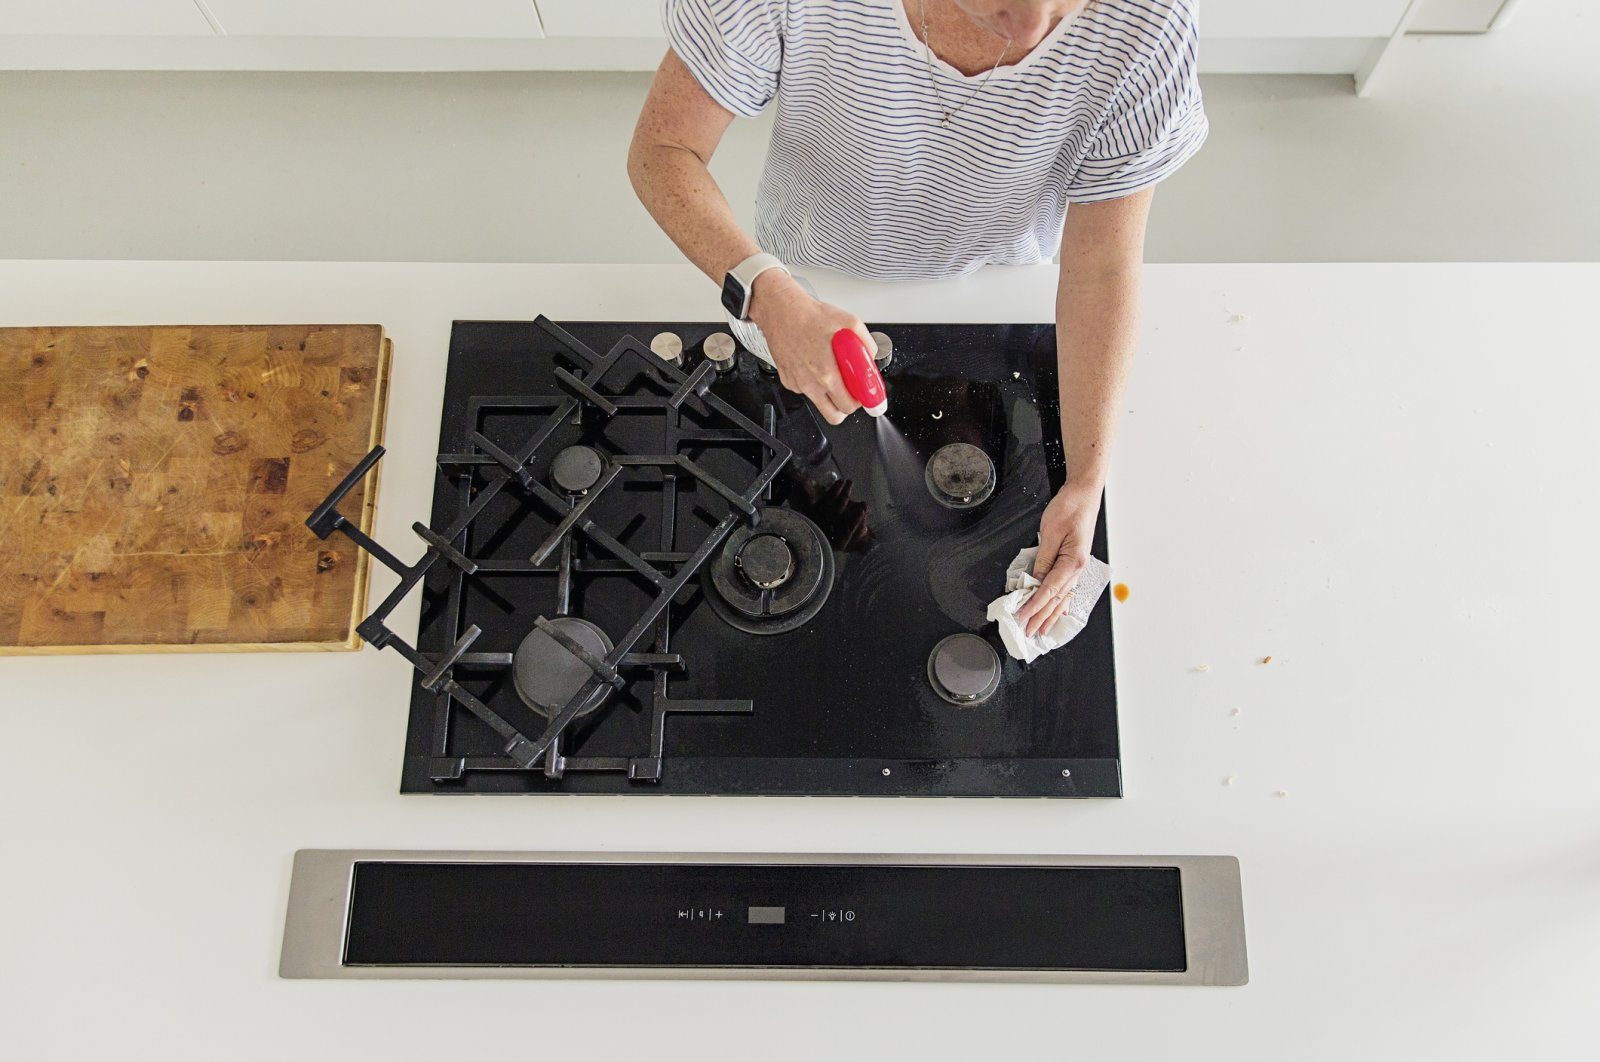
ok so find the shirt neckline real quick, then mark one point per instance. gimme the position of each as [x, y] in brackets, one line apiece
[927, 54]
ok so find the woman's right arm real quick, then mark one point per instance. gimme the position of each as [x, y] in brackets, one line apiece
[677, 133]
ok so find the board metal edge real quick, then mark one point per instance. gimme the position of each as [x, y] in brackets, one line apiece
[316, 919]
[368, 519]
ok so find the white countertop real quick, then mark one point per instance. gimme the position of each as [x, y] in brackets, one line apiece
[1384, 477]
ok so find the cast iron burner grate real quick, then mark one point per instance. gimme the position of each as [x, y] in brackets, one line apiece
[597, 389]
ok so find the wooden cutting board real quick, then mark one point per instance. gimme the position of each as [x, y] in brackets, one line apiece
[154, 484]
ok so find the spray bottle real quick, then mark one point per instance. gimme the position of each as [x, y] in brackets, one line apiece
[856, 367]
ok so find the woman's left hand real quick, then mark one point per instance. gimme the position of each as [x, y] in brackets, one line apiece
[1065, 533]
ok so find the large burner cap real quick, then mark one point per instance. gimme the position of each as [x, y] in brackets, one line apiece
[964, 669]
[773, 577]
[546, 674]
[765, 560]
[960, 476]
[576, 469]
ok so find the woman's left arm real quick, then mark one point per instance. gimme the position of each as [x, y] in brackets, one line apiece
[1097, 325]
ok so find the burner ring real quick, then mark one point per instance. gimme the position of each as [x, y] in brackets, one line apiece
[577, 468]
[786, 551]
[964, 669]
[546, 675]
[960, 476]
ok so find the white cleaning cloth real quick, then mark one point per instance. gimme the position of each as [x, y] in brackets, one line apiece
[1020, 585]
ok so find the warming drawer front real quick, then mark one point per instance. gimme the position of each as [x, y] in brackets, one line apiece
[1151, 920]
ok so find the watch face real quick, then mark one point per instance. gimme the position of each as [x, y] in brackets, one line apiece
[733, 296]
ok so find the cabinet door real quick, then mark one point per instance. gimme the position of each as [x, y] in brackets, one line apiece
[1300, 18]
[376, 18]
[601, 18]
[1218, 18]
[1455, 16]
[106, 18]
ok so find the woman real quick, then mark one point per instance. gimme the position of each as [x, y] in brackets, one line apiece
[917, 139]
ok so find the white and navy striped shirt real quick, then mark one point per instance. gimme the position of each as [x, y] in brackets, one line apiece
[863, 176]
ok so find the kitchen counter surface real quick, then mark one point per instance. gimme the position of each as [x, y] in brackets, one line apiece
[1381, 476]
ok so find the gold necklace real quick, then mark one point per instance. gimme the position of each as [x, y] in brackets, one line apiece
[933, 78]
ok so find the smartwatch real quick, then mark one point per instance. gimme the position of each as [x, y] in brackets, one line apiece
[741, 280]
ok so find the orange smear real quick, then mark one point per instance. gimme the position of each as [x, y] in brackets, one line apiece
[1120, 591]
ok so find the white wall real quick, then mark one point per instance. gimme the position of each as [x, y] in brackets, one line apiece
[1474, 150]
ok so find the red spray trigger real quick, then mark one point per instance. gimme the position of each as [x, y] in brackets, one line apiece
[860, 372]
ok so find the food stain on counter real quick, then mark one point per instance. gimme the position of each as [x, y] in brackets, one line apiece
[1120, 591]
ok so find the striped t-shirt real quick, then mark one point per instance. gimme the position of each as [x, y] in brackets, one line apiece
[863, 176]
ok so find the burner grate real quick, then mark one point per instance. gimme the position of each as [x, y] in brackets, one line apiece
[487, 470]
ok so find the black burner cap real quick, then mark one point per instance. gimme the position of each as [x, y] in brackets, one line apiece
[773, 577]
[765, 560]
[964, 669]
[960, 476]
[545, 672]
[576, 469]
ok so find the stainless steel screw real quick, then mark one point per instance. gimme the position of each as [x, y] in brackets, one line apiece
[1065, 773]
[886, 771]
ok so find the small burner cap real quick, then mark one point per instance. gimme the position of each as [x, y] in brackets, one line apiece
[960, 476]
[964, 669]
[577, 468]
[668, 346]
[545, 672]
[885, 350]
[720, 351]
[766, 561]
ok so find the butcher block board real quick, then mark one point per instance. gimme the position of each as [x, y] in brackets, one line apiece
[155, 481]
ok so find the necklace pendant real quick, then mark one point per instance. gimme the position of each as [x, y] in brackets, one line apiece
[946, 118]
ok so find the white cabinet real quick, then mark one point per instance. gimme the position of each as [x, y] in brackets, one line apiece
[1286, 19]
[601, 18]
[103, 18]
[376, 18]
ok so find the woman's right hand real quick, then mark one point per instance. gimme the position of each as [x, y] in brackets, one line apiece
[799, 332]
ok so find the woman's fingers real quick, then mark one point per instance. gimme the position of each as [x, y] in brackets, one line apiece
[842, 399]
[1054, 594]
[1049, 602]
[823, 400]
[860, 329]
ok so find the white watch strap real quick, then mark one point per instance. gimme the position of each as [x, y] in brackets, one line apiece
[747, 271]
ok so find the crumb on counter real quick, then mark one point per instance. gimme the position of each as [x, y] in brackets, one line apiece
[1237, 711]
[1282, 793]
[1202, 667]
[1230, 779]
[1267, 659]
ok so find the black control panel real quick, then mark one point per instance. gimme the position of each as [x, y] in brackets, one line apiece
[833, 916]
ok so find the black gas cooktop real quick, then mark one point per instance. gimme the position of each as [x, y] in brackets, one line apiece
[650, 569]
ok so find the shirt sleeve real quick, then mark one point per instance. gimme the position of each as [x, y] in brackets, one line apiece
[734, 48]
[1155, 122]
